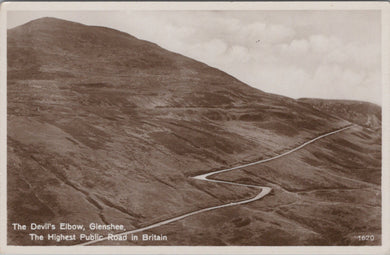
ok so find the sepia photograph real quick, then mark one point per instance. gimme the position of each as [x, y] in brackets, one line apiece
[211, 125]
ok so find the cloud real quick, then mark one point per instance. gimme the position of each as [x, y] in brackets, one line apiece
[278, 33]
[321, 43]
[239, 54]
[297, 47]
[257, 31]
[210, 51]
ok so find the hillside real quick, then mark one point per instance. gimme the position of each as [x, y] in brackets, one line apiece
[358, 112]
[104, 127]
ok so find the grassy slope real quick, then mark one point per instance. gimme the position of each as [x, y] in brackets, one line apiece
[103, 127]
[323, 194]
[362, 113]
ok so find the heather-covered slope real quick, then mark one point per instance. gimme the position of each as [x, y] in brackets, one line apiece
[362, 113]
[103, 127]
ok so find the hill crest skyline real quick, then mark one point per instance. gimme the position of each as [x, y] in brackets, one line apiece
[263, 85]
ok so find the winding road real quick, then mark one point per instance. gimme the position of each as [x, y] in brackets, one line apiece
[206, 177]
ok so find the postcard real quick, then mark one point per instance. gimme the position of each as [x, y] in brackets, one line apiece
[195, 127]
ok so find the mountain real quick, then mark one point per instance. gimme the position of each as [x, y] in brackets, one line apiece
[362, 113]
[106, 128]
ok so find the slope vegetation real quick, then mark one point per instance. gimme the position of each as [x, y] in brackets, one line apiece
[362, 113]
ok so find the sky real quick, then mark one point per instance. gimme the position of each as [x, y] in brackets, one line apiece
[321, 54]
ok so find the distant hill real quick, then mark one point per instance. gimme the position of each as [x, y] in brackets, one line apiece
[358, 112]
[104, 127]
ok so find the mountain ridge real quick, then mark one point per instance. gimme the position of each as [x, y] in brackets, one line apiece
[362, 113]
[63, 24]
